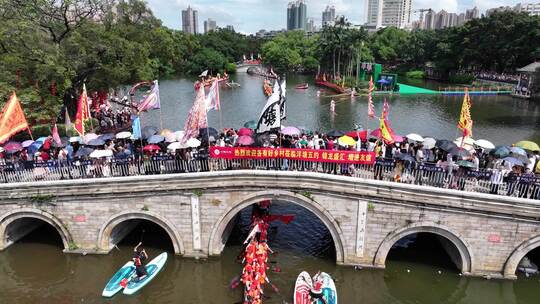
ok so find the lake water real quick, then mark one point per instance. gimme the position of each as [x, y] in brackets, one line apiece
[36, 271]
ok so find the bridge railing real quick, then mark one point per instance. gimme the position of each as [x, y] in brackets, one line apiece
[482, 181]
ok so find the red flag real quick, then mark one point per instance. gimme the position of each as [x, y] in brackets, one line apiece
[83, 112]
[56, 136]
[371, 108]
[12, 119]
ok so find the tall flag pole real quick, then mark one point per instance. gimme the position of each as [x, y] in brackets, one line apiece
[283, 100]
[371, 108]
[83, 112]
[12, 119]
[465, 121]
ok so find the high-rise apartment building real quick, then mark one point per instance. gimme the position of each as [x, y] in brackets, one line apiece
[310, 25]
[190, 21]
[443, 19]
[472, 13]
[328, 16]
[230, 28]
[374, 9]
[297, 15]
[396, 13]
[532, 9]
[209, 25]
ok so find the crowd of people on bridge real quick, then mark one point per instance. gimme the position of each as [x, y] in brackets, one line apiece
[512, 166]
[497, 77]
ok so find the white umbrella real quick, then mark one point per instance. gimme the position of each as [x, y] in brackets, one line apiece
[467, 141]
[415, 137]
[429, 143]
[123, 135]
[486, 144]
[75, 139]
[2, 149]
[101, 153]
[193, 143]
[179, 135]
[88, 137]
[176, 145]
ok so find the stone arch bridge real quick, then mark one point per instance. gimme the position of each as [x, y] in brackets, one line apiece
[485, 235]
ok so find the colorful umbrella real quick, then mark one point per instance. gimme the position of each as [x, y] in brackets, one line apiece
[41, 139]
[486, 144]
[358, 134]
[245, 132]
[346, 141]
[150, 148]
[33, 148]
[245, 140]
[528, 145]
[12, 147]
[377, 134]
[165, 132]
[291, 131]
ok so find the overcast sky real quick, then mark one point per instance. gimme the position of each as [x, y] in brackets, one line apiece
[249, 16]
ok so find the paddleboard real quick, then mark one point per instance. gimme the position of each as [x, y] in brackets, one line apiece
[302, 288]
[328, 289]
[152, 269]
[113, 286]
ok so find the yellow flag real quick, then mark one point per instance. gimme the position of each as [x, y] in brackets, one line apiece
[465, 121]
[386, 132]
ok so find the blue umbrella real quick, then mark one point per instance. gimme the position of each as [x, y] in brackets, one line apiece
[383, 81]
[155, 139]
[106, 137]
[123, 155]
[96, 142]
[27, 143]
[514, 161]
[41, 139]
[500, 152]
[149, 131]
[84, 151]
[33, 148]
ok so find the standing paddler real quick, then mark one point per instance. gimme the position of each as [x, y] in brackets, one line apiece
[139, 256]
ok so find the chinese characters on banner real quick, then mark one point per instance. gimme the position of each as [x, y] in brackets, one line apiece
[328, 156]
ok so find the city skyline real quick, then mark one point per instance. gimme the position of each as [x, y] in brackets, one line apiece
[249, 16]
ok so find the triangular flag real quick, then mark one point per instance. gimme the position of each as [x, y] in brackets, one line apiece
[83, 112]
[12, 119]
[56, 136]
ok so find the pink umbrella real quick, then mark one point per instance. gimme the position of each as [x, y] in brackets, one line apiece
[245, 132]
[245, 140]
[12, 147]
[290, 131]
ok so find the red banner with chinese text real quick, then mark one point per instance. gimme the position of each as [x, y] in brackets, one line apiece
[327, 156]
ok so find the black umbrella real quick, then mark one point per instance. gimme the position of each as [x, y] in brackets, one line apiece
[207, 132]
[260, 139]
[149, 131]
[405, 157]
[84, 151]
[459, 152]
[500, 152]
[445, 145]
[96, 142]
[335, 133]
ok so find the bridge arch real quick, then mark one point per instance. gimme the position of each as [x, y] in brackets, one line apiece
[32, 213]
[216, 243]
[515, 257]
[460, 244]
[104, 236]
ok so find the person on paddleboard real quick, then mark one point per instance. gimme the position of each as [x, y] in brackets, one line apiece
[139, 256]
[316, 291]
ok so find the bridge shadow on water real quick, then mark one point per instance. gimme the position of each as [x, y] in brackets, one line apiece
[153, 237]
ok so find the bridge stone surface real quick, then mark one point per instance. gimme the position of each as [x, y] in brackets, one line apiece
[485, 235]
